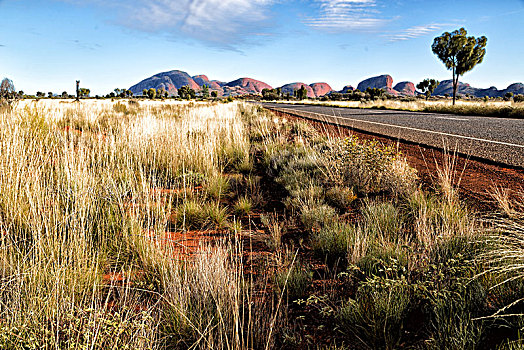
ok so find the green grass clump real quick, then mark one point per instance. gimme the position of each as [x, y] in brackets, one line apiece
[294, 281]
[191, 214]
[217, 186]
[243, 206]
[376, 317]
[340, 197]
[383, 222]
[216, 216]
[332, 241]
[276, 230]
[317, 216]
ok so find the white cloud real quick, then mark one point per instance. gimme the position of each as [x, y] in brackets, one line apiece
[414, 32]
[346, 15]
[224, 23]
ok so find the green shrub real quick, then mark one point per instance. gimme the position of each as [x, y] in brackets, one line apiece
[243, 206]
[388, 263]
[191, 214]
[452, 326]
[518, 98]
[376, 318]
[369, 167]
[340, 197]
[317, 216]
[82, 329]
[364, 164]
[449, 248]
[453, 300]
[332, 240]
[382, 221]
[299, 174]
[454, 330]
[294, 281]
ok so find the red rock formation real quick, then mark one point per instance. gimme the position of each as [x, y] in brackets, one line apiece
[290, 88]
[405, 88]
[381, 82]
[321, 89]
[214, 85]
[251, 86]
[168, 80]
[201, 80]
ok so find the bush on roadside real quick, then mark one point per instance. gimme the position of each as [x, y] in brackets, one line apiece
[368, 167]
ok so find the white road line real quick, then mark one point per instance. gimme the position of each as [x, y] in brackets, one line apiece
[449, 118]
[413, 129]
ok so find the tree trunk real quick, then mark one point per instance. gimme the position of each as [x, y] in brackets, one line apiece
[455, 85]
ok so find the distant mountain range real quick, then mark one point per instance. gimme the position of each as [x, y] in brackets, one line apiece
[174, 80]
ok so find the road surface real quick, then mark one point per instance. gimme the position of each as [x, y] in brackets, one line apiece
[495, 139]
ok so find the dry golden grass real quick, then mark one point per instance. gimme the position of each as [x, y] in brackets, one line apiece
[87, 191]
[79, 201]
[503, 109]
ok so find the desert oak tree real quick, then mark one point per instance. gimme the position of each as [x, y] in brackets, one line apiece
[459, 53]
[427, 86]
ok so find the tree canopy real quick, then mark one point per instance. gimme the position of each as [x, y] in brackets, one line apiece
[205, 91]
[7, 90]
[186, 92]
[271, 94]
[151, 93]
[427, 86]
[301, 94]
[459, 53]
[84, 92]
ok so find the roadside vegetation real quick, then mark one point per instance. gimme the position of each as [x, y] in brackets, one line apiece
[497, 108]
[211, 225]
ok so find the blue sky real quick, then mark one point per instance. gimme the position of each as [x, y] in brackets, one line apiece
[47, 44]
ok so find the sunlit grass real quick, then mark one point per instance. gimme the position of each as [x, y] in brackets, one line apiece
[504, 109]
[79, 200]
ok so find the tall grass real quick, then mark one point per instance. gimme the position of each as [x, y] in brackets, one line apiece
[497, 109]
[78, 202]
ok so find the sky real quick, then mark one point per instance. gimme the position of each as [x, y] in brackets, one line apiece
[45, 45]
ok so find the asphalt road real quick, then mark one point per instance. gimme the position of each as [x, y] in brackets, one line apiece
[496, 139]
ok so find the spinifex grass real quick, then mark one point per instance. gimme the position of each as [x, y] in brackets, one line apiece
[79, 198]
